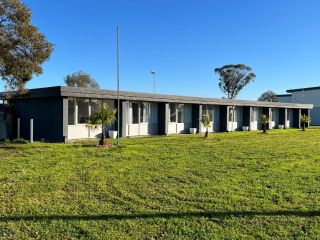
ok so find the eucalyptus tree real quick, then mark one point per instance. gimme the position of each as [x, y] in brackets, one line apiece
[81, 79]
[268, 96]
[23, 48]
[233, 78]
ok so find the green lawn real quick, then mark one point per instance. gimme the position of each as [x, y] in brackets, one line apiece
[242, 185]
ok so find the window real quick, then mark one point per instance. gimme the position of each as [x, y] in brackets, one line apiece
[71, 112]
[173, 112]
[253, 114]
[231, 114]
[95, 104]
[273, 114]
[144, 112]
[83, 110]
[180, 113]
[135, 112]
[288, 115]
[207, 110]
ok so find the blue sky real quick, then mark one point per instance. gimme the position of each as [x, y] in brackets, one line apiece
[183, 41]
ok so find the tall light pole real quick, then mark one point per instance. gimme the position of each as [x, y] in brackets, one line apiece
[153, 72]
[118, 87]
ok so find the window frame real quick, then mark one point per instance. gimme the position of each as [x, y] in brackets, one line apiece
[177, 112]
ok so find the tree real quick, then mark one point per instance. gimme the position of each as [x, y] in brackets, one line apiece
[268, 96]
[81, 79]
[233, 78]
[264, 119]
[23, 49]
[103, 118]
[304, 119]
[206, 121]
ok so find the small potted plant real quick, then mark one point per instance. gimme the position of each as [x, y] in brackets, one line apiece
[193, 130]
[103, 117]
[245, 128]
[113, 134]
[206, 122]
[264, 119]
[304, 120]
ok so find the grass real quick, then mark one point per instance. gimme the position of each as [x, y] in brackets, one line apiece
[242, 185]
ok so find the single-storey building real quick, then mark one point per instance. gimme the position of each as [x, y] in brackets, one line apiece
[310, 95]
[60, 114]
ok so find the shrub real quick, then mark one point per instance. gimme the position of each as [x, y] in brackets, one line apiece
[19, 141]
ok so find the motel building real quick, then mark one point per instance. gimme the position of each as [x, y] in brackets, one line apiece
[60, 114]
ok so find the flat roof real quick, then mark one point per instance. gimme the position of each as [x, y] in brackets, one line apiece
[303, 89]
[60, 91]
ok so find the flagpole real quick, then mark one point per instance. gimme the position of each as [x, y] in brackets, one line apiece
[118, 87]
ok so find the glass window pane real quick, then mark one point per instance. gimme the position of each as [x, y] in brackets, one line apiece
[173, 112]
[95, 103]
[207, 110]
[230, 115]
[180, 113]
[135, 112]
[204, 110]
[253, 114]
[71, 111]
[83, 110]
[144, 109]
[273, 115]
[210, 112]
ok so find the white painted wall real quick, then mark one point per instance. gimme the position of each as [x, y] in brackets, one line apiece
[82, 131]
[236, 125]
[174, 127]
[289, 118]
[144, 129]
[215, 124]
[275, 122]
[254, 120]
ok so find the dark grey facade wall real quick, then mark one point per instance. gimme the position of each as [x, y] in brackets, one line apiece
[296, 118]
[282, 116]
[119, 108]
[224, 118]
[246, 116]
[266, 111]
[196, 116]
[161, 118]
[47, 115]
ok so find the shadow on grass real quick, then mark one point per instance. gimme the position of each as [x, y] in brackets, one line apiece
[108, 217]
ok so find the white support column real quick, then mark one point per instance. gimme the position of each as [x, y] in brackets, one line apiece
[89, 107]
[75, 112]
[31, 130]
[125, 121]
[167, 118]
[200, 118]
[89, 112]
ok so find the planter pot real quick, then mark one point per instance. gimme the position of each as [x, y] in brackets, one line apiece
[245, 128]
[281, 126]
[113, 134]
[193, 130]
